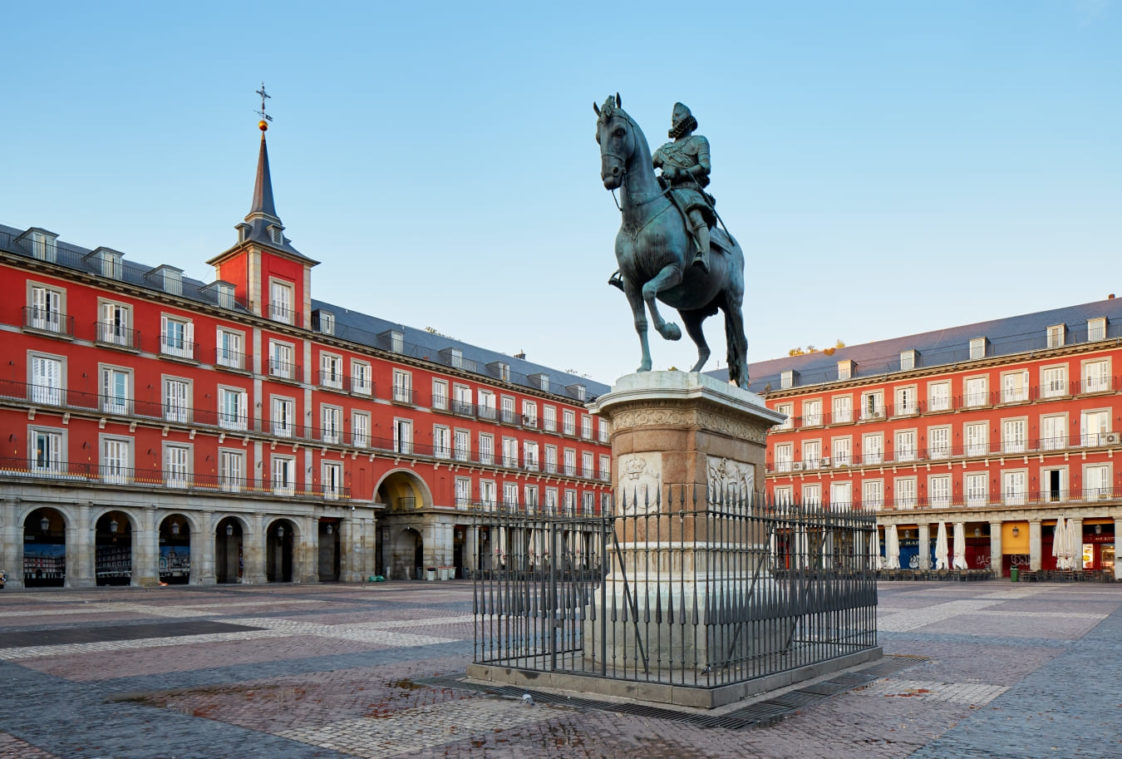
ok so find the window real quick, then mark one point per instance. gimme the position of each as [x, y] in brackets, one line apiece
[486, 404]
[1053, 432]
[788, 409]
[551, 459]
[463, 491]
[840, 452]
[907, 360]
[784, 495]
[976, 486]
[938, 396]
[905, 445]
[113, 327]
[568, 422]
[232, 408]
[812, 454]
[360, 429]
[487, 494]
[977, 438]
[1014, 435]
[588, 502]
[402, 436]
[231, 470]
[46, 311]
[551, 500]
[841, 496]
[116, 460]
[1014, 387]
[331, 476]
[177, 337]
[872, 448]
[1055, 335]
[586, 426]
[1053, 484]
[605, 431]
[586, 467]
[845, 369]
[281, 303]
[939, 491]
[872, 494]
[787, 379]
[939, 442]
[1053, 381]
[361, 378]
[510, 495]
[570, 462]
[906, 401]
[531, 493]
[225, 294]
[530, 455]
[441, 442]
[978, 347]
[905, 489]
[605, 467]
[229, 349]
[331, 370]
[1096, 481]
[461, 403]
[1096, 329]
[115, 391]
[812, 495]
[486, 449]
[976, 391]
[283, 416]
[1096, 376]
[872, 405]
[177, 400]
[529, 414]
[284, 475]
[507, 410]
[1014, 486]
[440, 394]
[326, 323]
[280, 360]
[842, 409]
[177, 465]
[47, 451]
[549, 417]
[402, 386]
[784, 455]
[1093, 427]
[46, 375]
[331, 419]
[812, 413]
[43, 246]
[570, 502]
[510, 452]
[461, 447]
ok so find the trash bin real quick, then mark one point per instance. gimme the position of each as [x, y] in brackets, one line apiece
[1014, 574]
[430, 574]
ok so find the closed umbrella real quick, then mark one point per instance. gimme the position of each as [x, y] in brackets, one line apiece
[892, 548]
[960, 546]
[1059, 544]
[941, 547]
[878, 561]
[1075, 545]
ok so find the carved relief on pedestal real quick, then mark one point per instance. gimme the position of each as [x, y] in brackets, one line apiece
[676, 415]
[640, 482]
[728, 476]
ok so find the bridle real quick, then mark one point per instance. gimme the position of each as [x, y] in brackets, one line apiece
[623, 161]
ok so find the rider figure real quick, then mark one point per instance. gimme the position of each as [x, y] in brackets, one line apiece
[685, 168]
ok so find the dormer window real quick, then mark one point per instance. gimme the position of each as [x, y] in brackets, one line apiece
[845, 369]
[500, 369]
[788, 378]
[324, 322]
[225, 292]
[1056, 334]
[276, 235]
[393, 340]
[908, 360]
[40, 243]
[106, 262]
[243, 232]
[978, 348]
[577, 391]
[167, 278]
[540, 381]
[1096, 329]
[456, 358]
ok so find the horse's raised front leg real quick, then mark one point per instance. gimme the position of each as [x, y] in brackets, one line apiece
[692, 320]
[635, 298]
[670, 276]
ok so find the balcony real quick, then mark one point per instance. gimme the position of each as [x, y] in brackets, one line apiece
[361, 385]
[402, 395]
[508, 416]
[117, 336]
[463, 408]
[330, 380]
[173, 347]
[488, 413]
[530, 422]
[284, 314]
[225, 358]
[285, 370]
[48, 321]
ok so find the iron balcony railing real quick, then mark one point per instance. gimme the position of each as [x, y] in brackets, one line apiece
[176, 348]
[330, 380]
[488, 413]
[48, 320]
[286, 370]
[117, 335]
[402, 395]
[509, 416]
[360, 385]
[284, 315]
[463, 408]
[959, 500]
[231, 359]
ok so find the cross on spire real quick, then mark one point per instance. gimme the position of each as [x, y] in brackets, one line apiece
[265, 118]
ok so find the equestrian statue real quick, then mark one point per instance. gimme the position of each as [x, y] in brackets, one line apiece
[669, 246]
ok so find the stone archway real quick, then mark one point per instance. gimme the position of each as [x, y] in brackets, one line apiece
[329, 553]
[113, 538]
[44, 549]
[279, 539]
[408, 555]
[175, 550]
[229, 553]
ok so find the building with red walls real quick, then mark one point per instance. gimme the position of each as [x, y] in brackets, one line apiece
[154, 428]
[998, 427]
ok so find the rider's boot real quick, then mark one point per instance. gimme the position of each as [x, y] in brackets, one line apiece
[701, 259]
[616, 280]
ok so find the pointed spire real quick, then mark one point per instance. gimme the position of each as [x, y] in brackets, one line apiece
[263, 189]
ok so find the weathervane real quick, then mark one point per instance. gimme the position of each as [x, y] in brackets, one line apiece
[265, 118]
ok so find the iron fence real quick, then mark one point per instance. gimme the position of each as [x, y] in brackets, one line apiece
[682, 591]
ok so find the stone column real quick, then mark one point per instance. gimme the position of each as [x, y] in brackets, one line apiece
[1117, 548]
[996, 557]
[80, 550]
[1034, 545]
[923, 530]
[1076, 526]
[11, 543]
[202, 550]
[306, 553]
[253, 550]
[146, 550]
[471, 550]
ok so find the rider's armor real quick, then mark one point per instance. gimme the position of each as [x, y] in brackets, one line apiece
[685, 168]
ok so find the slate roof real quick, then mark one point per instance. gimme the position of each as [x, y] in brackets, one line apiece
[1006, 336]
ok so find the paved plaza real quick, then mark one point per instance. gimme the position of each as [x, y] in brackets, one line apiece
[990, 669]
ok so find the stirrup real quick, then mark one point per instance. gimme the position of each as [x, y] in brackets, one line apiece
[616, 280]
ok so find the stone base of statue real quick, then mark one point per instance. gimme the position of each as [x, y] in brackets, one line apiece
[698, 605]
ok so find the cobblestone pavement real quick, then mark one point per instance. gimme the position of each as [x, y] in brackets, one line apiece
[982, 670]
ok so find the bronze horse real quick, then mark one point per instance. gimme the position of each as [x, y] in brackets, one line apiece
[654, 248]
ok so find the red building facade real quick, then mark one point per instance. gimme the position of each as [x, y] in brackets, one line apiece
[997, 429]
[160, 429]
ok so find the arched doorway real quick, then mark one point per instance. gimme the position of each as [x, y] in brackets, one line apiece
[113, 549]
[175, 550]
[44, 549]
[409, 555]
[229, 562]
[329, 550]
[278, 551]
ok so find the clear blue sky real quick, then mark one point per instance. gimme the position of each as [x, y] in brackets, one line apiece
[888, 167]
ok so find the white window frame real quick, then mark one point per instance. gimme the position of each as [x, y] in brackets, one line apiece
[939, 445]
[48, 307]
[812, 412]
[331, 370]
[530, 460]
[229, 348]
[812, 454]
[402, 386]
[51, 457]
[872, 495]
[872, 448]
[510, 452]
[46, 378]
[872, 404]
[976, 489]
[841, 409]
[784, 456]
[939, 491]
[283, 469]
[462, 492]
[1055, 334]
[486, 449]
[114, 323]
[1015, 386]
[441, 441]
[905, 445]
[177, 336]
[282, 416]
[177, 465]
[116, 459]
[362, 378]
[402, 435]
[841, 451]
[976, 438]
[1097, 481]
[1096, 329]
[462, 400]
[568, 422]
[529, 413]
[1052, 439]
[549, 417]
[939, 396]
[440, 397]
[461, 444]
[550, 459]
[282, 301]
[789, 410]
[233, 408]
[116, 389]
[282, 360]
[1094, 426]
[231, 470]
[331, 478]
[1096, 375]
[904, 492]
[906, 401]
[1014, 435]
[585, 427]
[1053, 381]
[331, 423]
[975, 391]
[1014, 487]
[177, 395]
[977, 348]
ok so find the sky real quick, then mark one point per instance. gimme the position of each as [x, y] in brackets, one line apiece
[888, 168]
